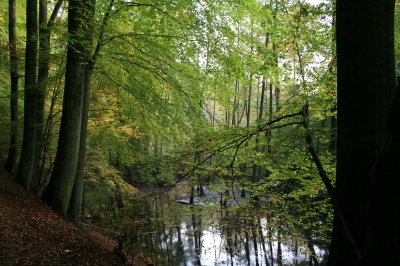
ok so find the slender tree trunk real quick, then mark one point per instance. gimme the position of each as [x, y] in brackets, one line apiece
[271, 111]
[262, 99]
[43, 72]
[333, 137]
[227, 118]
[58, 192]
[277, 99]
[256, 169]
[248, 115]
[25, 170]
[50, 122]
[11, 163]
[213, 115]
[333, 121]
[235, 104]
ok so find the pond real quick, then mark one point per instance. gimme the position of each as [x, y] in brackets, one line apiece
[166, 231]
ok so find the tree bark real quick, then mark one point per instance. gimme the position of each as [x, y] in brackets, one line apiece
[366, 82]
[11, 163]
[43, 73]
[25, 170]
[58, 192]
[383, 231]
[77, 192]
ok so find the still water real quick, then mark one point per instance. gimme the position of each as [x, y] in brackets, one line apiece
[165, 231]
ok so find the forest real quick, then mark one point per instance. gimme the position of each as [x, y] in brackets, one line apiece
[200, 132]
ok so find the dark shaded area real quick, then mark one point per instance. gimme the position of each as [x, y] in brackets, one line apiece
[32, 234]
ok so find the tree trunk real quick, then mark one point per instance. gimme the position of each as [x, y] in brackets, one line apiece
[383, 231]
[256, 168]
[25, 170]
[333, 137]
[333, 120]
[277, 99]
[366, 82]
[43, 73]
[11, 163]
[58, 192]
[77, 192]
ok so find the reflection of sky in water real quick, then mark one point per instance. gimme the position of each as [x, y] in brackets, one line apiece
[175, 240]
[214, 251]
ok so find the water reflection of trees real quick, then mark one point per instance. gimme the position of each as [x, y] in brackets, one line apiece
[164, 232]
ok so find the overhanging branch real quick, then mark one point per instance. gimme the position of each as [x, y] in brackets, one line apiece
[327, 182]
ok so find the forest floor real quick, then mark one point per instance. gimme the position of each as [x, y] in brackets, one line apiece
[33, 234]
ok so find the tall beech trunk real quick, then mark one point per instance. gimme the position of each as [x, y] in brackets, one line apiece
[77, 192]
[58, 192]
[11, 163]
[43, 73]
[25, 170]
[367, 177]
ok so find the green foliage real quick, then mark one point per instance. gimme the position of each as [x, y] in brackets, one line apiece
[171, 89]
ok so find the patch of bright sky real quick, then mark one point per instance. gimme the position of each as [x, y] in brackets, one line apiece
[314, 2]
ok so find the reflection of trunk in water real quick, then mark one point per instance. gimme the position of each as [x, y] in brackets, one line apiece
[180, 257]
[229, 245]
[149, 228]
[196, 226]
[253, 232]
[180, 253]
[162, 233]
[270, 233]
[165, 236]
[313, 255]
[247, 248]
[279, 252]
[296, 251]
[260, 232]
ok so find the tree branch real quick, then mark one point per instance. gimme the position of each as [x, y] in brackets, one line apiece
[331, 191]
